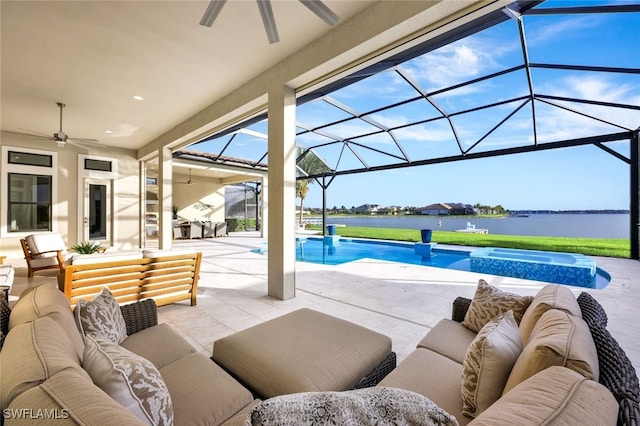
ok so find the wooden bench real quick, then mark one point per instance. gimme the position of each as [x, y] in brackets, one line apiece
[166, 279]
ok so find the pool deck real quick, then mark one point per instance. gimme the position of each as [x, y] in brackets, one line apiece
[400, 300]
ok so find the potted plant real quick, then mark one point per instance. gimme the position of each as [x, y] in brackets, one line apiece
[86, 247]
[175, 209]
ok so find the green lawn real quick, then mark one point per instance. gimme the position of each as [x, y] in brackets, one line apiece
[609, 247]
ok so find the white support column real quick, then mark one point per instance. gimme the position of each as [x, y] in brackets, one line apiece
[165, 198]
[264, 206]
[281, 199]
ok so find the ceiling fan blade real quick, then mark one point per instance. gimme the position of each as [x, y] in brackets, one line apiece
[83, 141]
[322, 11]
[212, 12]
[32, 133]
[266, 12]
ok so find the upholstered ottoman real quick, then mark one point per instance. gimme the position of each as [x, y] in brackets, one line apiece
[305, 351]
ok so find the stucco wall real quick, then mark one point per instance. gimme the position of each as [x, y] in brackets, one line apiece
[67, 212]
[202, 200]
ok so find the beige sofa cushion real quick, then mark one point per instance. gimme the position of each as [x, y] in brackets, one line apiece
[551, 296]
[557, 396]
[101, 317]
[432, 375]
[153, 253]
[74, 399]
[33, 352]
[558, 338]
[488, 302]
[202, 392]
[449, 338]
[47, 301]
[159, 344]
[131, 380]
[109, 256]
[489, 361]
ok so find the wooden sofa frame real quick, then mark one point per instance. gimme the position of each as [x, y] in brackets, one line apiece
[166, 279]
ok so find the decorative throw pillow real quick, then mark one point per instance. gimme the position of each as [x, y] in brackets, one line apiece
[101, 318]
[370, 406]
[488, 362]
[489, 302]
[131, 380]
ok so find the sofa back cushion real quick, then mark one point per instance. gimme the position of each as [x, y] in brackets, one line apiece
[551, 296]
[558, 338]
[556, 395]
[33, 352]
[47, 301]
[488, 302]
[154, 253]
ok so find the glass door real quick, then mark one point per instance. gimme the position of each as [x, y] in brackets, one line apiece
[97, 211]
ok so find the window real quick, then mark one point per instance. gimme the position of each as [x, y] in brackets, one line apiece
[29, 202]
[98, 165]
[28, 191]
[30, 159]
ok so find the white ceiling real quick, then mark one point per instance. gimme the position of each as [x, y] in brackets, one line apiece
[96, 55]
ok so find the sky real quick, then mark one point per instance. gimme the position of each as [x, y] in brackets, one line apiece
[578, 178]
[563, 179]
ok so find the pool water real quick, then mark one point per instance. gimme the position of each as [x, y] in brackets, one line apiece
[338, 250]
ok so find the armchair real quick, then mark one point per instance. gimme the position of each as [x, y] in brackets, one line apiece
[44, 251]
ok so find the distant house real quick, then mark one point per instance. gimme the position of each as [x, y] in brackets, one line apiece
[446, 209]
[367, 209]
[435, 210]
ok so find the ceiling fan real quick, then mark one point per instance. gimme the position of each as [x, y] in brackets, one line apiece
[266, 12]
[189, 181]
[61, 138]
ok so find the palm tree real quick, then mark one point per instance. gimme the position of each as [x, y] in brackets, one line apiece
[302, 187]
[310, 163]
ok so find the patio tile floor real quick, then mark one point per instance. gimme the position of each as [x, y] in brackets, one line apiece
[399, 300]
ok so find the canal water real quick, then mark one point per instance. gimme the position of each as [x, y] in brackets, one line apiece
[550, 225]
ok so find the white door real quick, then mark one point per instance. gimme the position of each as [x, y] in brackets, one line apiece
[97, 210]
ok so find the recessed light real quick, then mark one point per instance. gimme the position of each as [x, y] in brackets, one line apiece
[108, 132]
[138, 98]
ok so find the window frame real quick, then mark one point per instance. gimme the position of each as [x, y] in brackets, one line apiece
[12, 168]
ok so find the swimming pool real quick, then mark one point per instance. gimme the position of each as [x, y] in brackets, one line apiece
[338, 250]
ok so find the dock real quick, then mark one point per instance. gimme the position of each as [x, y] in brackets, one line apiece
[471, 229]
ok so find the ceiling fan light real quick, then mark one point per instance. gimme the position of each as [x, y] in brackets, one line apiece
[212, 12]
[266, 12]
[322, 11]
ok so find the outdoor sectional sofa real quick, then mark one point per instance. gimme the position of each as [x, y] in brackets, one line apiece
[569, 369]
[44, 360]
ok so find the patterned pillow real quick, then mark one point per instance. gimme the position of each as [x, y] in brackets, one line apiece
[369, 406]
[101, 318]
[489, 302]
[129, 379]
[488, 362]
